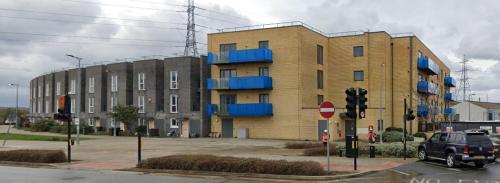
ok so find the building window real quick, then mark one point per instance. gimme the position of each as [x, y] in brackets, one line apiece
[357, 51]
[33, 93]
[174, 99]
[319, 54]
[91, 85]
[47, 108]
[359, 76]
[72, 88]
[58, 88]
[174, 123]
[490, 116]
[39, 106]
[114, 102]
[264, 98]
[227, 73]
[73, 106]
[141, 122]
[91, 105]
[224, 50]
[320, 79]
[47, 90]
[264, 44]
[114, 83]
[91, 122]
[263, 71]
[173, 80]
[320, 99]
[140, 103]
[39, 91]
[141, 77]
[419, 54]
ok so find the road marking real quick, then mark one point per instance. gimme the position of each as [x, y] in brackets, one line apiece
[359, 178]
[397, 171]
[454, 169]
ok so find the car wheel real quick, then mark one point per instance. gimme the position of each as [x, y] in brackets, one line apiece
[479, 164]
[422, 155]
[450, 160]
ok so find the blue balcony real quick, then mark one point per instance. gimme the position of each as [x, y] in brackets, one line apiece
[427, 87]
[422, 110]
[449, 96]
[449, 81]
[240, 83]
[211, 108]
[449, 111]
[243, 110]
[428, 66]
[242, 56]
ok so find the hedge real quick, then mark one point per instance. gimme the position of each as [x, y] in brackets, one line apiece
[394, 149]
[232, 164]
[395, 136]
[36, 156]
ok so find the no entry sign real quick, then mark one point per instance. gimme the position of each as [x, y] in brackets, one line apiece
[326, 109]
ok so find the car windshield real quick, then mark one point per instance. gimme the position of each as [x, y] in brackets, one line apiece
[476, 138]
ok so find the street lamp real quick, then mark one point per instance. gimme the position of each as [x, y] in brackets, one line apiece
[78, 97]
[17, 105]
[470, 95]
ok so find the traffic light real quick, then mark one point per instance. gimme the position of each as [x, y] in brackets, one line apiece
[63, 109]
[351, 101]
[362, 102]
[410, 116]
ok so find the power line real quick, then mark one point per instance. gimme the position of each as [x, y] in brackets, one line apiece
[92, 37]
[93, 43]
[87, 16]
[221, 20]
[220, 13]
[79, 22]
[118, 5]
[158, 3]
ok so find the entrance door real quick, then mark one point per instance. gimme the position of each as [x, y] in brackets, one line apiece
[321, 128]
[185, 128]
[349, 128]
[227, 128]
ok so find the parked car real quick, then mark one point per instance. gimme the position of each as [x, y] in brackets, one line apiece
[495, 139]
[458, 147]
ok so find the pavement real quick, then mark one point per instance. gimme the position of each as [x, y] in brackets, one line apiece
[113, 153]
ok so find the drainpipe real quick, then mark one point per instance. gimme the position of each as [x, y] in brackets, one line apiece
[411, 79]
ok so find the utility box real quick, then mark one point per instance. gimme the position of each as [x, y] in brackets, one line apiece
[242, 133]
[349, 151]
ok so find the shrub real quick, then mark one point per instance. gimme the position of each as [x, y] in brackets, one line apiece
[302, 145]
[36, 156]
[56, 129]
[232, 164]
[389, 129]
[43, 125]
[396, 149]
[420, 134]
[320, 151]
[395, 136]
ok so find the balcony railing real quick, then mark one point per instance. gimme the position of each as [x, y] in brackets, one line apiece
[242, 56]
[428, 88]
[449, 111]
[242, 110]
[449, 81]
[428, 66]
[449, 96]
[423, 110]
[240, 83]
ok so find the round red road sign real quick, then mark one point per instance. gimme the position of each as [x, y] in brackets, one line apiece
[326, 109]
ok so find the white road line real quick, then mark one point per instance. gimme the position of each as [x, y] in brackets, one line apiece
[397, 171]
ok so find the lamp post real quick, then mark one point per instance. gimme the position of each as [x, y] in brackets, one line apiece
[470, 95]
[17, 105]
[382, 90]
[78, 97]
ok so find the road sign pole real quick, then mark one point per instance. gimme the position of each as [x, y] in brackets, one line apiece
[326, 110]
[328, 143]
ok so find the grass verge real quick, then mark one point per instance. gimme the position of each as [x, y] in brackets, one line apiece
[233, 164]
[35, 156]
[28, 137]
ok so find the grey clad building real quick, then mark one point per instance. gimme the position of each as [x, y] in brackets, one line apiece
[169, 94]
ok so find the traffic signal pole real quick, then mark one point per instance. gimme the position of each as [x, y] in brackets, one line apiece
[69, 141]
[404, 131]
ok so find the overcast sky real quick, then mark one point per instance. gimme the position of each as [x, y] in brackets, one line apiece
[36, 34]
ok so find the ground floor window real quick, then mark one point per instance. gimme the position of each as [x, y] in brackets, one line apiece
[174, 123]
[91, 122]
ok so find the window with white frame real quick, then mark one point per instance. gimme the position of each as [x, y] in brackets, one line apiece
[173, 80]
[114, 102]
[174, 123]
[91, 105]
[47, 90]
[58, 88]
[39, 91]
[140, 103]
[91, 85]
[73, 106]
[39, 106]
[114, 83]
[174, 100]
[91, 122]
[72, 88]
[47, 108]
[141, 79]
[33, 94]
[141, 122]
